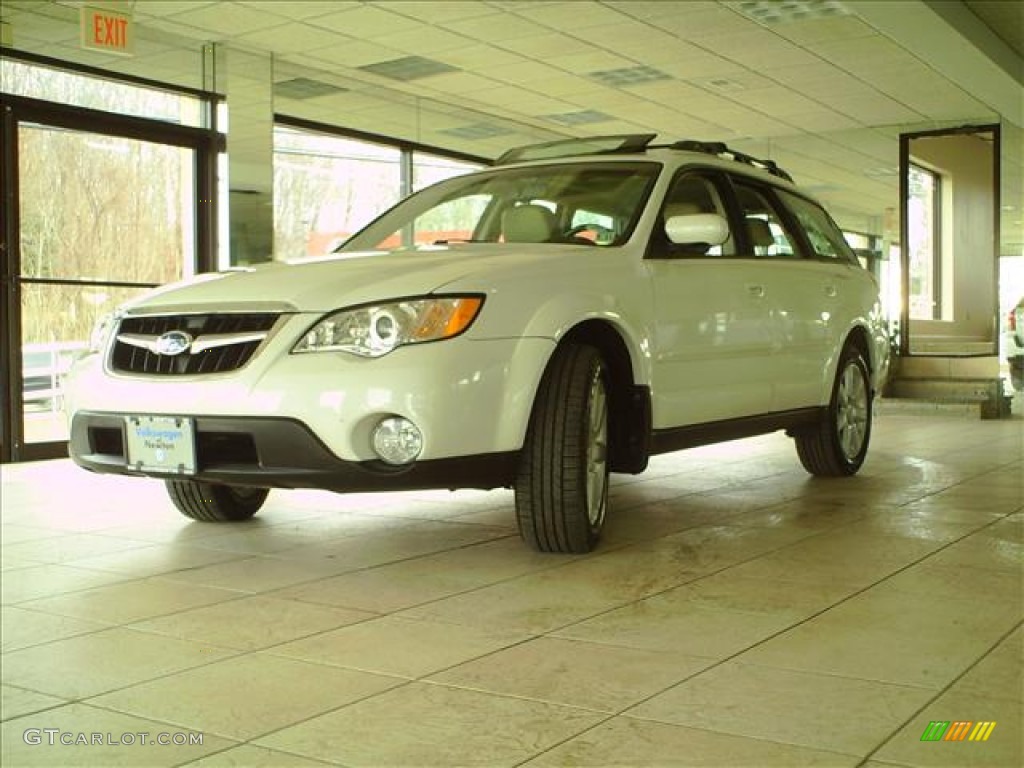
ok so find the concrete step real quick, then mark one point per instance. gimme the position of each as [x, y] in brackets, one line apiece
[985, 396]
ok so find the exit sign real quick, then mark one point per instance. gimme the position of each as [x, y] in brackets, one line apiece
[106, 30]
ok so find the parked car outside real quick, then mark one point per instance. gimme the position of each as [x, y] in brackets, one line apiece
[591, 304]
[1013, 344]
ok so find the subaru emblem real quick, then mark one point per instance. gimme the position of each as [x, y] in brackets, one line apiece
[172, 343]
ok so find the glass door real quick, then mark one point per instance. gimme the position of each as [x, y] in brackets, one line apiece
[101, 219]
[90, 219]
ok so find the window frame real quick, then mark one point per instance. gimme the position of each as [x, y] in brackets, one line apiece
[658, 246]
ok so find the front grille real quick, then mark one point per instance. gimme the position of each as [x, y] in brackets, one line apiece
[133, 353]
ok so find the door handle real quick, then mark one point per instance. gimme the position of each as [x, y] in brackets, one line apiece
[831, 291]
[755, 291]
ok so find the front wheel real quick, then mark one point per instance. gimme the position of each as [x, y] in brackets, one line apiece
[212, 503]
[561, 486]
[836, 447]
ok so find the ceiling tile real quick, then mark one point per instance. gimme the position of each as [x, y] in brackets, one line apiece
[471, 56]
[877, 110]
[863, 53]
[354, 54]
[588, 61]
[459, 82]
[441, 11]
[571, 16]
[758, 48]
[693, 24]
[294, 37]
[636, 37]
[298, 10]
[366, 22]
[562, 85]
[778, 101]
[821, 120]
[800, 75]
[543, 46]
[521, 72]
[834, 89]
[166, 7]
[498, 27]
[696, 66]
[812, 31]
[425, 40]
[226, 19]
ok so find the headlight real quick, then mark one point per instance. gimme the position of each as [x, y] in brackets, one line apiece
[101, 332]
[373, 331]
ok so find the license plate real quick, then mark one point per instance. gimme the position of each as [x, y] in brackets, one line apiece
[161, 444]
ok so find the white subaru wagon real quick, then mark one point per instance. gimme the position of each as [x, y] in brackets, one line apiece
[567, 313]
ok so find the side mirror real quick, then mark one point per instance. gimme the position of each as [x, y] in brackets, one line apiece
[697, 229]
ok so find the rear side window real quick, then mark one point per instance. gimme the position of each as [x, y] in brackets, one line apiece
[822, 233]
[765, 231]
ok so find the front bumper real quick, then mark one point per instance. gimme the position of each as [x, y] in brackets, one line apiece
[270, 452]
[468, 397]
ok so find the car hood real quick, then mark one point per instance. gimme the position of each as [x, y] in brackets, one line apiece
[322, 285]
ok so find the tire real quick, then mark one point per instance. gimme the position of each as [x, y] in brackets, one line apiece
[211, 503]
[561, 487]
[836, 447]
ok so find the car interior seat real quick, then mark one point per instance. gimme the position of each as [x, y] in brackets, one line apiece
[528, 224]
[760, 235]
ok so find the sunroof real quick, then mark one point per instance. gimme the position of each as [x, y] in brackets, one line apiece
[589, 145]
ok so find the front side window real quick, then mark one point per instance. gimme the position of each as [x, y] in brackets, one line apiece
[692, 194]
[573, 203]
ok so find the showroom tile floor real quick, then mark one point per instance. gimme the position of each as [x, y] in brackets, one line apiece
[738, 613]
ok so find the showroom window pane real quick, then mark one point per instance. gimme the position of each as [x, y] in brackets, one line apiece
[56, 321]
[924, 234]
[430, 169]
[328, 187]
[125, 211]
[51, 84]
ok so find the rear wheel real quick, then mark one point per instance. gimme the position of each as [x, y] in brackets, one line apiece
[212, 503]
[838, 444]
[562, 483]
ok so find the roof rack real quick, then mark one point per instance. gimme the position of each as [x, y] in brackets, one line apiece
[719, 149]
[587, 145]
[632, 142]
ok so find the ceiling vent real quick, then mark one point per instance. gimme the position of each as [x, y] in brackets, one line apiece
[621, 78]
[305, 88]
[409, 68]
[583, 117]
[475, 131]
[781, 12]
[721, 84]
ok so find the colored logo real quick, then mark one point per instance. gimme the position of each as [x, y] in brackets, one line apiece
[172, 343]
[958, 730]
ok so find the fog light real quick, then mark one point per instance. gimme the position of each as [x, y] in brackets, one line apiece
[397, 440]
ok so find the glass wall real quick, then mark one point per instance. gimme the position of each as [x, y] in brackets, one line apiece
[327, 187]
[77, 90]
[923, 227]
[107, 206]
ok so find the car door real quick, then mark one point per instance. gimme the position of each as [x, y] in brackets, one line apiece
[825, 295]
[712, 341]
[797, 297]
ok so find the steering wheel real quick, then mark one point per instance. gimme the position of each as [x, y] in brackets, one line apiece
[601, 233]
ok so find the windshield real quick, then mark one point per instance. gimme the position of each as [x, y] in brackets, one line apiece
[595, 203]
